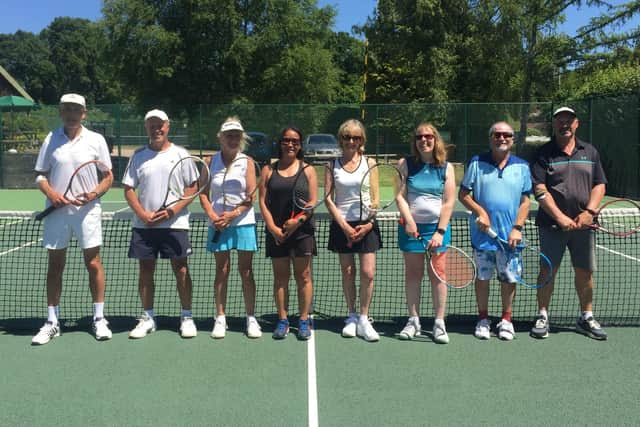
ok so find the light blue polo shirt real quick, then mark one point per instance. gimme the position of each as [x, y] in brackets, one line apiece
[498, 191]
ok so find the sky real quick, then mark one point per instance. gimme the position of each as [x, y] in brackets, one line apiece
[35, 15]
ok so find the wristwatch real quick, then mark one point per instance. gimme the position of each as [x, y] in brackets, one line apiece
[518, 227]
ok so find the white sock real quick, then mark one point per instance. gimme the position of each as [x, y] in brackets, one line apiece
[98, 310]
[52, 314]
[221, 317]
[415, 320]
[587, 314]
[439, 322]
[543, 313]
[186, 313]
[149, 312]
[363, 318]
[352, 314]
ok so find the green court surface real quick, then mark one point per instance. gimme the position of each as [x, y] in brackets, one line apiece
[162, 380]
[565, 380]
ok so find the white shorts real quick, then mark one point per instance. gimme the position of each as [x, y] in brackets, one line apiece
[60, 226]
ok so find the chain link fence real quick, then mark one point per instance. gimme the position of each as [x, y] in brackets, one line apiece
[612, 124]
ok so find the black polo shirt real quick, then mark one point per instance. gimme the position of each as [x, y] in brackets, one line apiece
[569, 178]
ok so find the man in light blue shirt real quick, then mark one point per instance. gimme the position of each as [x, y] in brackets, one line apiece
[496, 188]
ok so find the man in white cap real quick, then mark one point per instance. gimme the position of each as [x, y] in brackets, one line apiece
[64, 150]
[158, 232]
[569, 184]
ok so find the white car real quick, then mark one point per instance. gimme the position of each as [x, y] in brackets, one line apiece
[321, 146]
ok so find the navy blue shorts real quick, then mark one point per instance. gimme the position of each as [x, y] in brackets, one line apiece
[149, 243]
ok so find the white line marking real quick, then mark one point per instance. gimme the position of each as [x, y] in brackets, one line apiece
[311, 380]
[17, 248]
[618, 253]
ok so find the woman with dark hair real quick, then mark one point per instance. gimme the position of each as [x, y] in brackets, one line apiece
[289, 241]
[426, 207]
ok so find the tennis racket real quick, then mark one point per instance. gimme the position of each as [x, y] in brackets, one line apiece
[305, 198]
[84, 181]
[379, 188]
[183, 174]
[451, 265]
[522, 259]
[619, 217]
[235, 192]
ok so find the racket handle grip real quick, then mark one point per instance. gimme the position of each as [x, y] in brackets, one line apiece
[491, 232]
[45, 212]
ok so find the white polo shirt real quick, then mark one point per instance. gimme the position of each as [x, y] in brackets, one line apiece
[148, 173]
[59, 157]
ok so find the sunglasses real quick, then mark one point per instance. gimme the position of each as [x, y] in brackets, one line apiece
[505, 135]
[355, 138]
[292, 141]
[426, 136]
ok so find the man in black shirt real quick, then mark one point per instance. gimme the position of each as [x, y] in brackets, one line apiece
[569, 184]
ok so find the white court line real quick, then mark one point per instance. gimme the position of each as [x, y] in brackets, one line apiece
[312, 388]
[618, 253]
[17, 248]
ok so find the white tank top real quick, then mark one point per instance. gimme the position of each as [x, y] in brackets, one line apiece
[347, 190]
[235, 188]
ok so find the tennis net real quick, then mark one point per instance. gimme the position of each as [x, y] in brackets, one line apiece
[23, 264]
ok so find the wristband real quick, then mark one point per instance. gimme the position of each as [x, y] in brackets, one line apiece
[518, 227]
[591, 212]
[440, 231]
[40, 178]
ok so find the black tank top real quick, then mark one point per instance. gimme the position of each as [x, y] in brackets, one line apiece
[280, 201]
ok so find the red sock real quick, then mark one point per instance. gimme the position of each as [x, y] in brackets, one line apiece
[484, 314]
[506, 315]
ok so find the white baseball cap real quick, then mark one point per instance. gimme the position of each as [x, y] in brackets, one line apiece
[157, 113]
[232, 125]
[73, 98]
[562, 110]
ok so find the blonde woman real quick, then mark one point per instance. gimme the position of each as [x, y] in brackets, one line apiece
[234, 228]
[426, 208]
[349, 235]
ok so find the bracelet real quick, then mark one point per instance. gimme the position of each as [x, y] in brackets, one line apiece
[518, 227]
[440, 231]
[591, 212]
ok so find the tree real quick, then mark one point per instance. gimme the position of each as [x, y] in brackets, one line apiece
[26, 57]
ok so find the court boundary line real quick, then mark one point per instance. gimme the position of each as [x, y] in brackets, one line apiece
[17, 248]
[312, 387]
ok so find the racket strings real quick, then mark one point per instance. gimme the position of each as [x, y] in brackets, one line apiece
[453, 267]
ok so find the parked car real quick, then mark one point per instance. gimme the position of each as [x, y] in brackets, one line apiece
[321, 146]
[260, 147]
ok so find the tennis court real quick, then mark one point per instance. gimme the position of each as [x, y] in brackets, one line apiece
[164, 380]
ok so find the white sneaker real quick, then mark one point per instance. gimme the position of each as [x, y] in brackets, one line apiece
[219, 327]
[101, 329]
[349, 330]
[505, 330]
[188, 327]
[440, 335]
[48, 332]
[253, 327]
[483, 329]
[145, 326]
[411, 330]
[365, 330]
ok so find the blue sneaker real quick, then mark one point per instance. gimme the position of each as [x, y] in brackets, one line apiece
[282, 329]
[304, 329]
